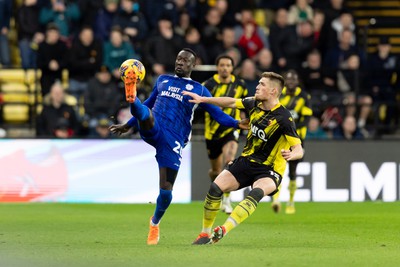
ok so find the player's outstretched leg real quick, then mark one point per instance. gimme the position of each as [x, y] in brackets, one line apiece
[130, 86]
[241, 212]
[154, 233]
[218, 233]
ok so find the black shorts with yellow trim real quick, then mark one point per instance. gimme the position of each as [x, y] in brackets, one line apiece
[247, 172]
[214, 147]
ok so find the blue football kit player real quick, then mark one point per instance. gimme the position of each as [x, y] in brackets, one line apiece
[165, 122]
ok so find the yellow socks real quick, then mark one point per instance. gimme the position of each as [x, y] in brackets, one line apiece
[292, 190]
[241, 212]
[211, 208]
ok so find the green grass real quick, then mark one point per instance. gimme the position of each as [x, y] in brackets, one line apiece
[319, 234]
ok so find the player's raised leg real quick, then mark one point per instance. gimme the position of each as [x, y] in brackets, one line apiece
[130, 85]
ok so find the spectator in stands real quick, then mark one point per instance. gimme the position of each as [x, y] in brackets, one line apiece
[277, 27]
[84, 59]
[89, 9]
[265, 61]
[338, 55]
[333, 10]
[225, 10]
[102, 98]
[29, 33]
[383, 76]
[315, 131]
[155, 9]
[248, 72]
[228, 41]
[344, 21]
[104, 19]
[161, 48]
[184, 23]
[57, 118]
[102, 129]
[132, 22]
[294, 43]
[300, 11]
[320, 84]
[348, 130]
[320, 32]
[51, 58]
[116, 51]
[5, 17]
[243, 29]
[236, 55]
[65, 14]
[211, 33]
[250, 41]
[350, 81]
[192, 41]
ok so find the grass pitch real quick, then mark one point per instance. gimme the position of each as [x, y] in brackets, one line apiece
[319, 234]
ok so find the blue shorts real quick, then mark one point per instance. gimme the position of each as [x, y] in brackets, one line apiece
[168, 146]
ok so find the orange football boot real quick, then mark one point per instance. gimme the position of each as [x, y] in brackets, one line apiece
[130, 86]
[154, 234]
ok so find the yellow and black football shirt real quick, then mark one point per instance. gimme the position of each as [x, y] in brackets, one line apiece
[236, 89]
[299, 105]
[270, 132]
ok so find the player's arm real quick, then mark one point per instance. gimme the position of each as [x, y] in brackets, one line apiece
[225, 102]
[123, 128]
[224, 119]
[295, 152]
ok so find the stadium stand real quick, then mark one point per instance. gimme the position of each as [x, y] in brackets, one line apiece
[375, 19]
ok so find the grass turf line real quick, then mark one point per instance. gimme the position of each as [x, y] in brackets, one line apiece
[319, 234]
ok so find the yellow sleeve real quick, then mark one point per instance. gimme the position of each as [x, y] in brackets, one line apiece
[293, 140]
[239, 104]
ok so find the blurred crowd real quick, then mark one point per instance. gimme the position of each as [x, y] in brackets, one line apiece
[354, 95]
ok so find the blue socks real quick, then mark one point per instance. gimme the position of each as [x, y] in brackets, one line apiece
[163, 201]
[139, 111]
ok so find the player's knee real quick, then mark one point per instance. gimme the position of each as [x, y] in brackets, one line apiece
[215, 191]
[213, 174]
[257, 194]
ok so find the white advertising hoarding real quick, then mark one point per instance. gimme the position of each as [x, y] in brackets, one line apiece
[72, 170]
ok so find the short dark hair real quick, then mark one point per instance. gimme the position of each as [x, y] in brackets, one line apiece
[52, 26]
[224, 56]
[190, 51]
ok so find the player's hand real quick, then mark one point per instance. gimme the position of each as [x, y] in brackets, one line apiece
[286, 154]
[195, 97]
[244, 124]
[119, 128]
[294, 153]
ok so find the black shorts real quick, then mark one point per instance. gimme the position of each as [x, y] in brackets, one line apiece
[214, 147]
[247, 172]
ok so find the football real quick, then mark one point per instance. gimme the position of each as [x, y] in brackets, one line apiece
[132, 65]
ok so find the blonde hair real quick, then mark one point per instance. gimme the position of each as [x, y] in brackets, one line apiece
[275, 78]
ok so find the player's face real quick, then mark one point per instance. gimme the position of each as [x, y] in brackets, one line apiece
[184, 64]
[264, 90]
[224, 68]
[292, 81]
